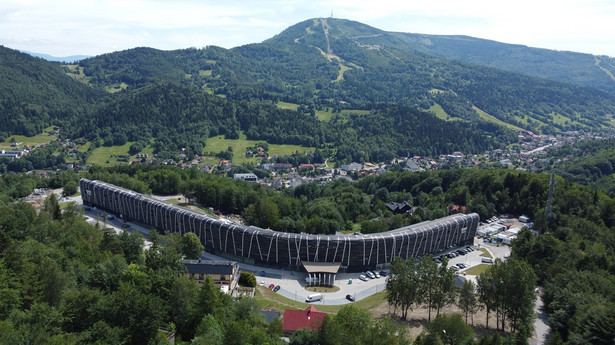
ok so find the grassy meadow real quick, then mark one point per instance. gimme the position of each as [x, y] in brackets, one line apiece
[42, 138]
[219, 143]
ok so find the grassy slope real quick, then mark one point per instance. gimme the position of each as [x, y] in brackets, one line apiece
[42, 138]
[218, 143]
[483, 115]
[105, 156]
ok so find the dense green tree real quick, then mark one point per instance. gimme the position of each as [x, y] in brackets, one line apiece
[191, 246]
[403, 288]
[52, 206]
[70, 187]
[450, 328]
[132, 246]
[468, 302]
[247, 279]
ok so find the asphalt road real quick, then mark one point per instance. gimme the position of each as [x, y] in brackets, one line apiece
[541, 329]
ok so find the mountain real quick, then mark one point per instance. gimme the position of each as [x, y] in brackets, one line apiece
[36, 93]
[342, 64]
[69, 59]
[570, 67]
[383, 96]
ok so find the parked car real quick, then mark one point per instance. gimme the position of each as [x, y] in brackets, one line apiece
[363, 278]
[455, 268]
[376, 274]
[271, 286]
[276, 288]
[383, 273]
[370, 275]
[350, 298]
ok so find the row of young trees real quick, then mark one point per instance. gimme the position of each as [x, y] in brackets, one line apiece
[506, 287]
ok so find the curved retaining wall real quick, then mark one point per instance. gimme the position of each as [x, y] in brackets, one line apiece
[286, 250]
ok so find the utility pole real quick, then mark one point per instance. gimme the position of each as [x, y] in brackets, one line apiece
[549, 205]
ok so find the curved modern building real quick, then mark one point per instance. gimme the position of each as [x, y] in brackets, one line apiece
[254, 245]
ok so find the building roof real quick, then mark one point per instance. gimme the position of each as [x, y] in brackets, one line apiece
[321, 267]
[209, 266]
[299, 319]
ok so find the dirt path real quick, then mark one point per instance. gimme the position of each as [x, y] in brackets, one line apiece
[417, 319]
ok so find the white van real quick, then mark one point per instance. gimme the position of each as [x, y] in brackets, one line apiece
[486, 260]
[313, 298]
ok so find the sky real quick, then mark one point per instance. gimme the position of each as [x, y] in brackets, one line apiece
[91, 27]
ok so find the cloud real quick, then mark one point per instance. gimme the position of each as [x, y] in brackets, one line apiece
[66, 27]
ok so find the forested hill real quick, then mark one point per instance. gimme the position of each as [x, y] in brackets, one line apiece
[571, 67]
[184, 117]
[35, 93]
[340, 64]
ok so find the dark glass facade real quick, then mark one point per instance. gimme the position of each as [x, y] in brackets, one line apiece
[355, 252]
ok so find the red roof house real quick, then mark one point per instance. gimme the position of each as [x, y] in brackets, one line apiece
[298, 319]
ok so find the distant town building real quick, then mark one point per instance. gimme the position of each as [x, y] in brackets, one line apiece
[12, 153]
[351, 167]
[246, 177]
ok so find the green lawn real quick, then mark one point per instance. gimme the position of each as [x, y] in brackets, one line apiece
[107, 156]
[267, 298]
[485, 253]
[476, 270]
[42, 138]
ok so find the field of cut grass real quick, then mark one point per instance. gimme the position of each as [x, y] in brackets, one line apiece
[219, 143]
[324, 116]
[561, 120]
[267, 298]
[483, 115]
[77, 73]
[355, 111]
[116, 87]
[42, 138]
[340, 74]
[286, 105]
[439, 112]
[84, 147]
[107, 156]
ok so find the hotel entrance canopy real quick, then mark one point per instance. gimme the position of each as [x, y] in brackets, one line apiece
[321, 273]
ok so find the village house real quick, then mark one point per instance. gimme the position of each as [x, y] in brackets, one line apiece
[225, 274]
[309, 318]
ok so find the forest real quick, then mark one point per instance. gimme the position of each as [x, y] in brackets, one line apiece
[190, 95]
[52, 259]
[64, 281]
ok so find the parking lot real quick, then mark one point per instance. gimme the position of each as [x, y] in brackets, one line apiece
[292, 284]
